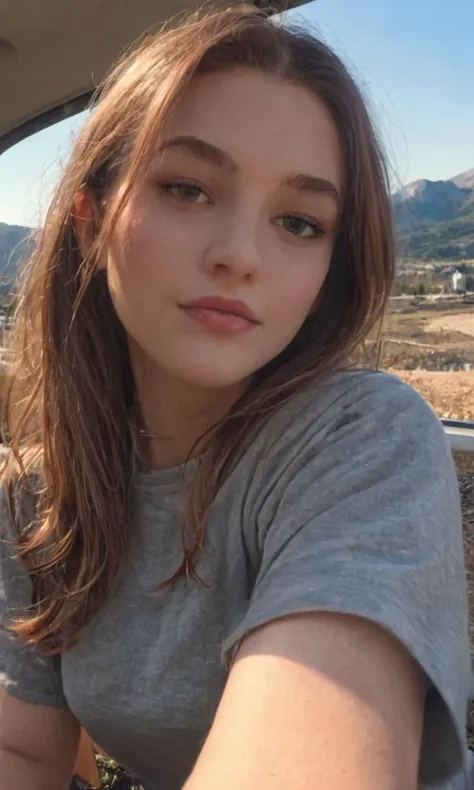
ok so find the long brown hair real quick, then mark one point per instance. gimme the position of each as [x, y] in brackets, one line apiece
[71, 391]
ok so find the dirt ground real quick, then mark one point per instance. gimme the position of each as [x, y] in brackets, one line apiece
[457, 322]
[451, 394]
[433, 351]
[417, 338]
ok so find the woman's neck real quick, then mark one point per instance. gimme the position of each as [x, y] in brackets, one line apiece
[174, 415]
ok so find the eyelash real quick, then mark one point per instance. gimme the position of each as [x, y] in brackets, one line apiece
[316, 227]
[168, 186]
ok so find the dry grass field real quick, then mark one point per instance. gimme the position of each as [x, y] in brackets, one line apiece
[433, 350]
[450, 394]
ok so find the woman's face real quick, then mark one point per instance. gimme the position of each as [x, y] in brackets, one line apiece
[221, 254]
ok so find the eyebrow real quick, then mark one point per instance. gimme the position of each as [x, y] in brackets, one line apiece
[211, 153]
[314, 184]
[203, 150]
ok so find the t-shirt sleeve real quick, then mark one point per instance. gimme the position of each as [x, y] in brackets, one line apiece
[25, 671]
[363, 517]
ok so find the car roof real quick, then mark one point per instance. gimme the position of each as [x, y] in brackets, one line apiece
[53, 53]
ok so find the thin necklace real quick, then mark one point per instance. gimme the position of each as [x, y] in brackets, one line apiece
[142, 432]
[145, 435]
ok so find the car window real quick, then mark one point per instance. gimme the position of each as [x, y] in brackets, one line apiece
[28, 174]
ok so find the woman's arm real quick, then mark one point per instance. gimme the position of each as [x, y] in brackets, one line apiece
[316, 701]
[38, 745]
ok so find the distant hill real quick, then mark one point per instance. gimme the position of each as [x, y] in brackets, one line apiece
[435, 219]
[464, 180]
[15, 243]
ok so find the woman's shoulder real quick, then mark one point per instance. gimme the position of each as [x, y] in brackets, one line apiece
[373, 404]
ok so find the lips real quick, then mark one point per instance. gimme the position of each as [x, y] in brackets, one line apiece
[221, 305]
[221, 315]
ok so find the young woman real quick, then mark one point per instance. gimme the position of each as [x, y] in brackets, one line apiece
[232, 557]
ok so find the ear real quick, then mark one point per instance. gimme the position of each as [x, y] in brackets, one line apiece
[85, 221]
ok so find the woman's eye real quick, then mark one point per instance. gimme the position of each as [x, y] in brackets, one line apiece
[304, 228]
[191, 193]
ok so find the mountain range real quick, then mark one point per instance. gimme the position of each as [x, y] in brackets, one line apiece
[434, 219]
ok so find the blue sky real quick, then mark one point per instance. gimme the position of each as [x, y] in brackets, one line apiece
[414, 59]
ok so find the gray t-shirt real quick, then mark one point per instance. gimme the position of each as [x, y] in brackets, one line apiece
[346, 502]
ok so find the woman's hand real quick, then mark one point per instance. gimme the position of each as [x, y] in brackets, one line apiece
[316, 701]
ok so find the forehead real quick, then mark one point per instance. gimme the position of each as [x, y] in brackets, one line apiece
[267, 125]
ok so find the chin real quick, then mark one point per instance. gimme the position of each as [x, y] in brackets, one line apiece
[208, 371]
[212, 377]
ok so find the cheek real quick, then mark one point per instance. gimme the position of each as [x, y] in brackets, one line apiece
[299, 290]
[143, 251]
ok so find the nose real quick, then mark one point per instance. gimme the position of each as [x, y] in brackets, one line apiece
[235, 254]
